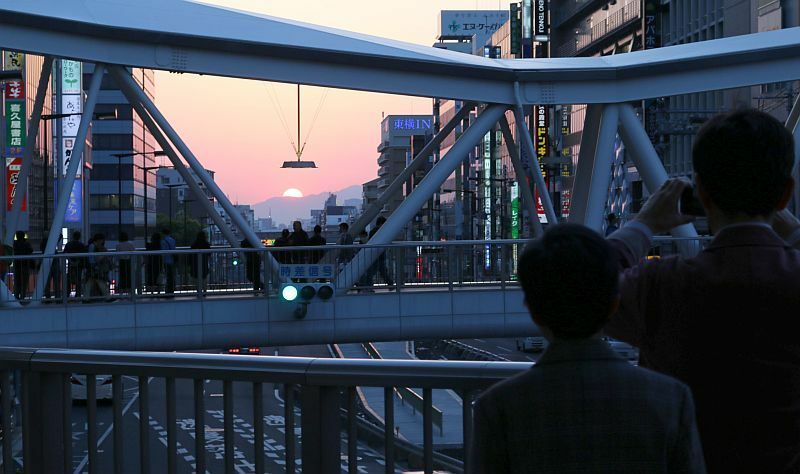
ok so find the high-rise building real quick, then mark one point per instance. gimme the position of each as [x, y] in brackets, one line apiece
[120, 189]
[402, 136]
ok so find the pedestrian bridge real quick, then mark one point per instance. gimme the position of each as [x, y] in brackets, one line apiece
[438, 290]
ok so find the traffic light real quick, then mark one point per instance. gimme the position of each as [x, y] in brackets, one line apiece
[235, 260]
[305, 292]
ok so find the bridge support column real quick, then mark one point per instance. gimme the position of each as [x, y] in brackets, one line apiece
[72, 170]
[321, 429]
[793, 124]
[181, 169]
[27, 157]
[397, 185]
[414, 202]
[522, 177]
[650, 167]
[136, 94]
[593, 176]
[530, 151]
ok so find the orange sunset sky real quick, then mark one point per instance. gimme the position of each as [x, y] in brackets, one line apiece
[234, 127]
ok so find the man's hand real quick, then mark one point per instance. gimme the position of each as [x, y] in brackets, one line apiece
[785, 223]
[660, 213]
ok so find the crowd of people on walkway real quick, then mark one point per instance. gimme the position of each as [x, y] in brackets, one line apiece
[718, 383]
[99, 276]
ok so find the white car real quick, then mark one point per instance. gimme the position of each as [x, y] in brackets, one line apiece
[532, 344]
[103, 387]
[625, 350]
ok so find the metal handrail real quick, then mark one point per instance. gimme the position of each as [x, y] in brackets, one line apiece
[326, 248]
[46, 440]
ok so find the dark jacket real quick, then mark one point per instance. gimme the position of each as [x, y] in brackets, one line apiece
[316, 255]
[726, 323]
[205, 258]
[582, 408]
[23, 247]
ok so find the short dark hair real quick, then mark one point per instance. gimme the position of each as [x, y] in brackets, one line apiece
[611, 218]
[744, 159]
[570, 279]
[317, 229]
[344, 226]
[76, 235]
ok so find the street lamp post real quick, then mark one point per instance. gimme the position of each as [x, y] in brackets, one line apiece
[146, 169]
[170, 187]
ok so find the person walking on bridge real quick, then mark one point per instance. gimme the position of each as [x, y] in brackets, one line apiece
[22, 267]
[168, 243]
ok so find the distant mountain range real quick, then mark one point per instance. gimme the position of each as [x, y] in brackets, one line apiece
[285, 210]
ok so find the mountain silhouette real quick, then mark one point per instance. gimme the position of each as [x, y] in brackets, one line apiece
[284, 209]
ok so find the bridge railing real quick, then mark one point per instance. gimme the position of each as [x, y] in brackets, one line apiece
[327, 389]
[237, 272]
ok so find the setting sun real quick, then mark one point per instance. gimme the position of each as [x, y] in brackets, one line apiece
[293, 193]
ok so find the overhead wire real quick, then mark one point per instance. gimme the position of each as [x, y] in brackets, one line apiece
[281, 116]
[314, 119]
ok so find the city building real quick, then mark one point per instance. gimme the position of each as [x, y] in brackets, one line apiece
[369, 193]
[174, 198]
[122, 188]
[402, 136]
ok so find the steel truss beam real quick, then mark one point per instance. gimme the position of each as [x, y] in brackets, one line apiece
[166, 146]
[650, 167]
[528, 200]
[130, 87]
[397, 185]
[69, 179]
[414, 201]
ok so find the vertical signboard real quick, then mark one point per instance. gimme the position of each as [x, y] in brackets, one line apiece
[542, 142]
[16, 128]
[75, 205]
[541, 23]
[515, 221]
[71, 103]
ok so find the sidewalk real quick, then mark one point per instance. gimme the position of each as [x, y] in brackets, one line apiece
[405, 418]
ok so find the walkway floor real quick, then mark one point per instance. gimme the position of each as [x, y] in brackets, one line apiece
[406, 418]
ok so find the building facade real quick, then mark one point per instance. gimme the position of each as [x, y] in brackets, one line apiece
[122, 189]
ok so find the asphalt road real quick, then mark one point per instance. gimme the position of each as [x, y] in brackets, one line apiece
[505, 347]
[274, 432]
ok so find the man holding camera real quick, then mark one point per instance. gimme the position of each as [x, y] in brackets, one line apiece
[726, 322]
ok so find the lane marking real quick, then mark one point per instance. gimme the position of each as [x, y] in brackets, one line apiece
[105, 435]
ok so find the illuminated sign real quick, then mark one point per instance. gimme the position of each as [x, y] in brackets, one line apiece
[307, 271]
[515, 224]
[651, 26]
[487, 195]
[527, 18]
[13, 167]
[542, 123]
[16, 127]
[70, 77]
[541, 23]
[71, 103]
[75, 204]
[464, 24]
[411, 123]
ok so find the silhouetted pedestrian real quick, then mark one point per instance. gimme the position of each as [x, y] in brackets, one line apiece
[283, 241]
[345, 238]
[76, 265]
[298, 238]
[252, 266]
[124, 245]
[153, 264]
[317, 240]
[200, 275]
[22, 268]
[380, 264]
[99, 267]
[168, 243]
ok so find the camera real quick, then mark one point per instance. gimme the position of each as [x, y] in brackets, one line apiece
[690, 204]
